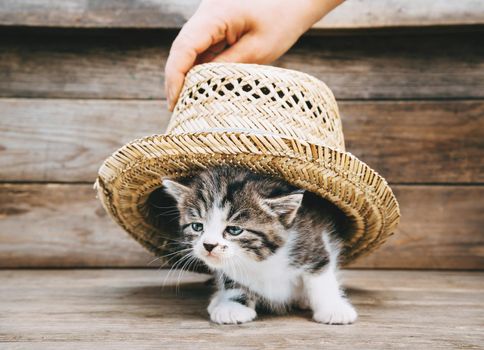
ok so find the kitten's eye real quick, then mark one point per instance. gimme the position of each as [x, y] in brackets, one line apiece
[197, 227]
[234, 230]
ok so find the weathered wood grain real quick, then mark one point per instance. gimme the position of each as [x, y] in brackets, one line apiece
[173, 14]
[61, 226]
[125, 65]
[67, 140]
[353, 14]
[97, 13]
[65, 226]
[80, 67]
[127, 309]
[441, 227]
[418, 141]
[420, 66]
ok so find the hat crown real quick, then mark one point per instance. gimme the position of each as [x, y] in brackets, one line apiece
[258, 99]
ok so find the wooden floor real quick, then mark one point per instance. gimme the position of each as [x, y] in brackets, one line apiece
[126, 309]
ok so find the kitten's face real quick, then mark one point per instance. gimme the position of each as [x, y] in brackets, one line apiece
[229, 215]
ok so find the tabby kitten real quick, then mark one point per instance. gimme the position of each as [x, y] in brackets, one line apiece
[264, 242]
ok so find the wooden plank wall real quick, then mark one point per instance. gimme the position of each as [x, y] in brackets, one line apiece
[174, 13]
[412, 107]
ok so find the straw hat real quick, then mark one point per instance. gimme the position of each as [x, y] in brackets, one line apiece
[270, 120]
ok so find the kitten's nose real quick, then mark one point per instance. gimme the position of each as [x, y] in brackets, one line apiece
[209, 247]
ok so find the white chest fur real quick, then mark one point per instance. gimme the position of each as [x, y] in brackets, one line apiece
[272, 278]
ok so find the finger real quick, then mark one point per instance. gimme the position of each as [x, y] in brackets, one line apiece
[196, 36]
[247, 50]
[212, 52]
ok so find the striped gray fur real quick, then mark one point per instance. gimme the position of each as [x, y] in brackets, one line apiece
[266, 209]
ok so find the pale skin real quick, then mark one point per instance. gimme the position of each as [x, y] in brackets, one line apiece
[249, 31]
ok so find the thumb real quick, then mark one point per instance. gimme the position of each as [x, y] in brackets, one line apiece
[247, 49]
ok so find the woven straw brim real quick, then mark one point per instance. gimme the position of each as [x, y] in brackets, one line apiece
[130, 175]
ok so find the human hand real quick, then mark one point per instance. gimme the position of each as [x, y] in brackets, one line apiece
[248, 31]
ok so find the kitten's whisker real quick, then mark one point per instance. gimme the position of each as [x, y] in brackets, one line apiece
[167, 238]
[192, 260]
[166, 263]
[175, 243]
[160, 207]
[183, 259]
[182, 271]
[174, 218]
[221, 279]
[168, 212]
[167, 255]
[177, 263]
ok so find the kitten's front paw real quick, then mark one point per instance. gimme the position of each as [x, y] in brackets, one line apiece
[231, 312]
[341, 312]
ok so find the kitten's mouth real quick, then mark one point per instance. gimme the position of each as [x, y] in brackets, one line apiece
[212, 259]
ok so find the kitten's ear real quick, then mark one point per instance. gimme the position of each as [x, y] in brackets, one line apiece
[175, 189]
[285, 206]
